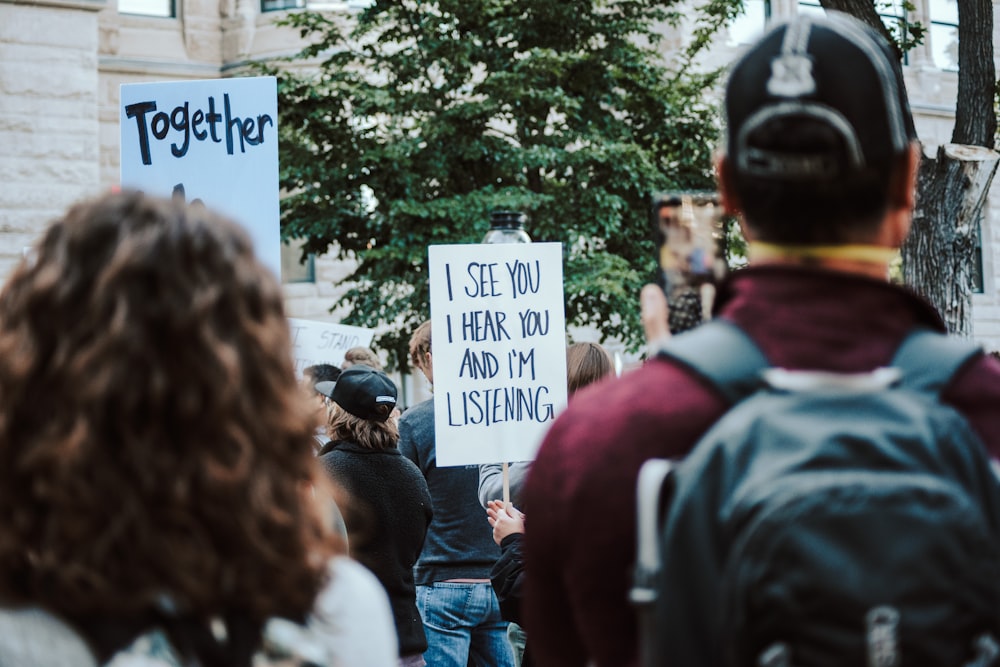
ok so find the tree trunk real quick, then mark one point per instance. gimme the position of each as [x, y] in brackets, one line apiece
[951, 191]
[954, 180]
[975, 116]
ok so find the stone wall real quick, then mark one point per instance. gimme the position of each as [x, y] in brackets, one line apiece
[48, 116]
[62, 63]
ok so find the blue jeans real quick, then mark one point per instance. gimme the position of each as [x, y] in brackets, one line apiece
[463, 625]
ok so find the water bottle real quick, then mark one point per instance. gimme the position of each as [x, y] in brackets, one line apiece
[507, 227]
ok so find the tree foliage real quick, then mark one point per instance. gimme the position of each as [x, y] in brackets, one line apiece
[408, 126]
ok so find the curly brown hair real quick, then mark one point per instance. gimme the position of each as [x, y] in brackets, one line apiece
[151, 438]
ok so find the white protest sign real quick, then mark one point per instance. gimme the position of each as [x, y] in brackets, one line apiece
[215, 141]
[324, 342]
[499, 347]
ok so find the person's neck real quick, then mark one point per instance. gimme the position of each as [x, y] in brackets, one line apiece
[866, 260]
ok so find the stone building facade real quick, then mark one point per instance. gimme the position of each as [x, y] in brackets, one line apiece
[62, 62]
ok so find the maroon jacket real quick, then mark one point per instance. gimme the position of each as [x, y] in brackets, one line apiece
[580, 493]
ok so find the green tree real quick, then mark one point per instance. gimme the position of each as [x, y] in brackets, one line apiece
[408, 126]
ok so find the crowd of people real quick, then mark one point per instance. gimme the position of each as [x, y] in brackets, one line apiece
[174, 495]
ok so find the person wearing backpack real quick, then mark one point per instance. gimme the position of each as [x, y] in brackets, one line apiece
[820, 166]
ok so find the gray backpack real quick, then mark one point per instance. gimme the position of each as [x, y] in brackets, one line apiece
[826, 520]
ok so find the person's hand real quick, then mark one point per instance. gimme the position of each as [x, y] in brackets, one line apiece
[505, 520]
[654, 313]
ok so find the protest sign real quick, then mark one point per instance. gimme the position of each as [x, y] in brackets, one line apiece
[213, 141]
[324, 342]
[499, 346]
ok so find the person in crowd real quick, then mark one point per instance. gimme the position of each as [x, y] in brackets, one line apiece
[820, 165]
[160, 496]
[586, 363]
[361, 355]
[316, 400]
[459, 608]
[387, 507]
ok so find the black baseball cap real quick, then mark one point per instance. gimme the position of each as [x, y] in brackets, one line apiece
[833, 70]
[364, 392]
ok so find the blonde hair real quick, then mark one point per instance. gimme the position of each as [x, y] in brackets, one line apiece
[361, 355]
[420, 344]
[371, 434]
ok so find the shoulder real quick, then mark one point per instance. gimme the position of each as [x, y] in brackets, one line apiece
[351, 623]
[416, 428]
[336, 459]
[33, 636]
[975, 392]
[608, 430]
[418, 413]
[621, 413]
[411, 469]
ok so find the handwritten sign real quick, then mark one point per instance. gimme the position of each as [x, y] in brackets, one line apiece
[499, 347]
[324, 342]
[215, 141]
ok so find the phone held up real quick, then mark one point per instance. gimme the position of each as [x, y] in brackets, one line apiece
[689, 230]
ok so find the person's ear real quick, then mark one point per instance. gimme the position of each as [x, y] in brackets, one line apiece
[730, 201]
[904, 186]
[727, 192]
[902, 198]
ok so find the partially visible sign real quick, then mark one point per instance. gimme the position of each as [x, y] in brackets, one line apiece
[324, 342]
[214, 141]
[499, 349]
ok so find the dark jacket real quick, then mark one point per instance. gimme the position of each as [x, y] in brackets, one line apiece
[459, 542]
[387, 519]
[507, 578]
[580, 495]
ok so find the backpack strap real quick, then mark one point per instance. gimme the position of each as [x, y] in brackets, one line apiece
[721, 353]
[653, 491]
[929, 359]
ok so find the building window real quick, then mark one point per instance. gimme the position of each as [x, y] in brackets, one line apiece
[319, 5]
[749, 25]
[896, 19]
[811, 7]
[892, 12]
[276, 5]
[293, 268]
[943, 36]
[157, 8]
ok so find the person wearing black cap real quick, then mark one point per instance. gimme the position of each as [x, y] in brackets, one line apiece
[820, 166]
[387, 507]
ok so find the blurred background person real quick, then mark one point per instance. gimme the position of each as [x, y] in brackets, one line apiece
[361, 355]
[387, 507]
[460, 610]
[156, 480]
[586, 363]
[317, 400]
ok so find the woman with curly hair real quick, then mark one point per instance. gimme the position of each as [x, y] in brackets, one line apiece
[157, 481]
[387, 506]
